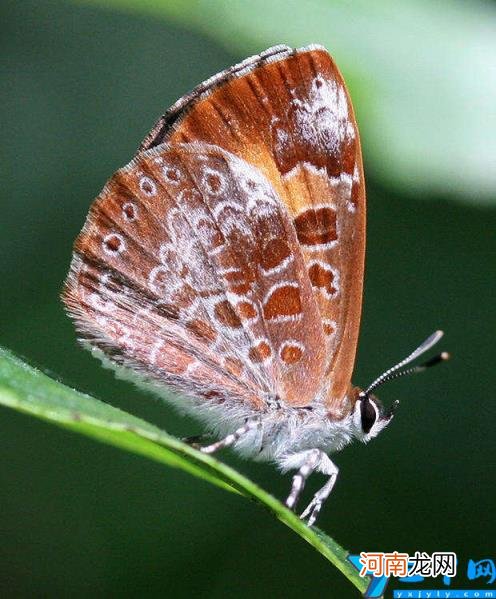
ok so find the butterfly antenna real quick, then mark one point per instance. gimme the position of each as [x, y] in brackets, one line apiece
[396, 372]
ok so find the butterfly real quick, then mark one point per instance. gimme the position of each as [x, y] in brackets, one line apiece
[225, 263]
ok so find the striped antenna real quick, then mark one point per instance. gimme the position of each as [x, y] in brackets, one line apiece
[396, 372]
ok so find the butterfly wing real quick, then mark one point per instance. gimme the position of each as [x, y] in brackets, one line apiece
[139, 336]
[287, 113]
[188, 271]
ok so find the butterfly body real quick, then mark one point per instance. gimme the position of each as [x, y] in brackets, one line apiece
[225, 263]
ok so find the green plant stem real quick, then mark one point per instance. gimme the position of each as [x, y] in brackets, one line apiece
[28, 390]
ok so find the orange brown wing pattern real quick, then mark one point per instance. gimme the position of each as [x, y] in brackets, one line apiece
[288, 114]
[188, 271]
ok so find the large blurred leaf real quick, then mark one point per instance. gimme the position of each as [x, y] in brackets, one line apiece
[28, 390]
[421, 73]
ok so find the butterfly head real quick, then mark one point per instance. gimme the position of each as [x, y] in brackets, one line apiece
[369, 415]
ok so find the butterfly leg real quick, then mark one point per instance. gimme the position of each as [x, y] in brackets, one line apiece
[310, 463]
[233, 437]
[194, 440]
[312, 510]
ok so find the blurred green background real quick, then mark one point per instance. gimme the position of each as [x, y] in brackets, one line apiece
[80, 85]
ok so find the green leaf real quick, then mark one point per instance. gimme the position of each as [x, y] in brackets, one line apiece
[28, 390]
[421, 75]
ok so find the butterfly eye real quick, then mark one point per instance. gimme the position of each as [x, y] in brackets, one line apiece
[368, 414]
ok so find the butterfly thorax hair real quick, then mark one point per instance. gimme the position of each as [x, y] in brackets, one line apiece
[286, 433]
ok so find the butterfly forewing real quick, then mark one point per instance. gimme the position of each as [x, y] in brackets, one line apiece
[161, 130]
[226, 260]
[288, 114]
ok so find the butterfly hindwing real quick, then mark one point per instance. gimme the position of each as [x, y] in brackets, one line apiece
[202, 243]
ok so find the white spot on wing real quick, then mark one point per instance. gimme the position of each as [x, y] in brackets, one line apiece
[130, 211]
[335, 278]
[213, 182]
[172, 175]
[148, 186]
[157, 278]
[291, 343]
[109, 240]
[324, 118]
